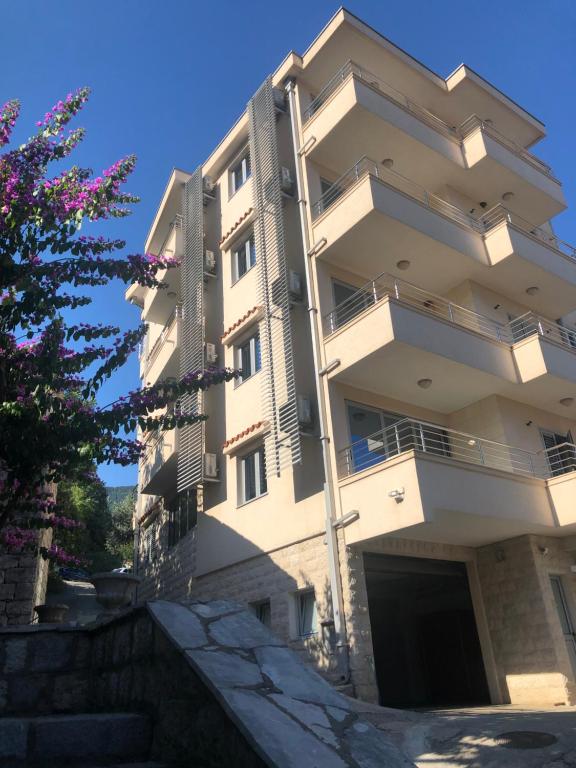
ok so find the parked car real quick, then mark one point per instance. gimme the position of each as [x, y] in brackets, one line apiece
[123, 569]
[74, 574]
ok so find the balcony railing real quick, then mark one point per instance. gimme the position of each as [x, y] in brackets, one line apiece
[387, 286]
[355, 70]
[149, 356]
[435, 440]
[367, 167]
[473, 123]
[499, 213]
[457, 133]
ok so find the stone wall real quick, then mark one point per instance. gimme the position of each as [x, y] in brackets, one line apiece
[529, 649]
[23, 579]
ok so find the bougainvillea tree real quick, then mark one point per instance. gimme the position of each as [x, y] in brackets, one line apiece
[51, 368]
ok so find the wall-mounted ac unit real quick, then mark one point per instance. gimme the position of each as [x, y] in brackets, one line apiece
[286, 181]
[304, 407]
[211, 354]
[210, 262]
[295, 287]
[211, 466]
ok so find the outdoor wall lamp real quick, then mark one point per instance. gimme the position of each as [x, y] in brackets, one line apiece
[397, 494]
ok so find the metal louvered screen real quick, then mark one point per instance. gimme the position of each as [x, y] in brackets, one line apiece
[191, 446]
[279, 391]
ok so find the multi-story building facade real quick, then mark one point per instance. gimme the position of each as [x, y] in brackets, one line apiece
[390, 481]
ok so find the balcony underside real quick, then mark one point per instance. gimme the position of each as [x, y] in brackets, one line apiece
[390, 347]
[359, 121]
[449, 502]
[158, 471]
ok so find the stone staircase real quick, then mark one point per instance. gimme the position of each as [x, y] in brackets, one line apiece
[174, 685]
[76, 741]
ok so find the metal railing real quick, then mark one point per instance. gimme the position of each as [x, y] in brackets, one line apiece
[388, 286]
[150, 355]
[367, 167]
[355, 70]
[435, 440]
[530, 323]
[457, 133]
[500, 213]
[474, 122]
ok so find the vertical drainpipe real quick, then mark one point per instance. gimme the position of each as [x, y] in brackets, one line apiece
[331, 535]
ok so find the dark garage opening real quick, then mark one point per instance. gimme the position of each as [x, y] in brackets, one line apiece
[426, 647]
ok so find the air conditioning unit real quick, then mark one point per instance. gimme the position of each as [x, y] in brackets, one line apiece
[286, 181]
[295, 287]
[304, 408]
[210, 466]
[211, 354]
[210, 262]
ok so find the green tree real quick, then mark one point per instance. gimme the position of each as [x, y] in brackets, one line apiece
[120, 540]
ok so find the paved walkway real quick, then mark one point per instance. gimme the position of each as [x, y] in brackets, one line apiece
[468, 738]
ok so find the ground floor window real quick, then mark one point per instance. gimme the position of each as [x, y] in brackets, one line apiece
[306, 613]
[182, 515]
[263, 612]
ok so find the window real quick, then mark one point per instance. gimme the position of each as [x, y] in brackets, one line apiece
[240, 172]
[252, 475]
[349, 301]
[182, 515]
[248, 358]
[148, 548]
[330, 192]
[307, 617]
[565, 616]
[243, 258]
[559, 451]
[263, 612]
[377, 435]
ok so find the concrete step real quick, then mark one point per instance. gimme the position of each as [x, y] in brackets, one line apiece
[74, 740]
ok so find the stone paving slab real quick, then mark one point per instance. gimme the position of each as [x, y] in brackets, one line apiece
[289, 714]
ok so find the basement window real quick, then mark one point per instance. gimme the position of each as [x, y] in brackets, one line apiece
[306, 613]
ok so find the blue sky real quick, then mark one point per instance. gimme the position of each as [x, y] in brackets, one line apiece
[168, 78]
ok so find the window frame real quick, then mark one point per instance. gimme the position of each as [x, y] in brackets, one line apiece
[242, 162]
[300, 596]
[182, 516]
[252, 342]
[263, 612]
[260, 480]
[249, 256]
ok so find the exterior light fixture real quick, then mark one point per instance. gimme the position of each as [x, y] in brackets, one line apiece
[471, 441]
[507, 196]
[403, 264]
[567, 401]
[388, 162]
[532, 290]
[397, 494]
[424, 383]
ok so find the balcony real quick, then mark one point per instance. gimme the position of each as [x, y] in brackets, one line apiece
[370, 204]
[390, 326]
[444, 245]
[391, 335]
[159, 303]
[160, 361]
[545, 355]
[358, 113]
[158, 462]
[442, 485]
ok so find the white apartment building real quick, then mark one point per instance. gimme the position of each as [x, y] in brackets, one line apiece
[391, 481]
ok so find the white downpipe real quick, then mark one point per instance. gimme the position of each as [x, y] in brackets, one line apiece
[331, 534]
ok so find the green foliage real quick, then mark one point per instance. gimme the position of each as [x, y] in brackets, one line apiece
[120, 540]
